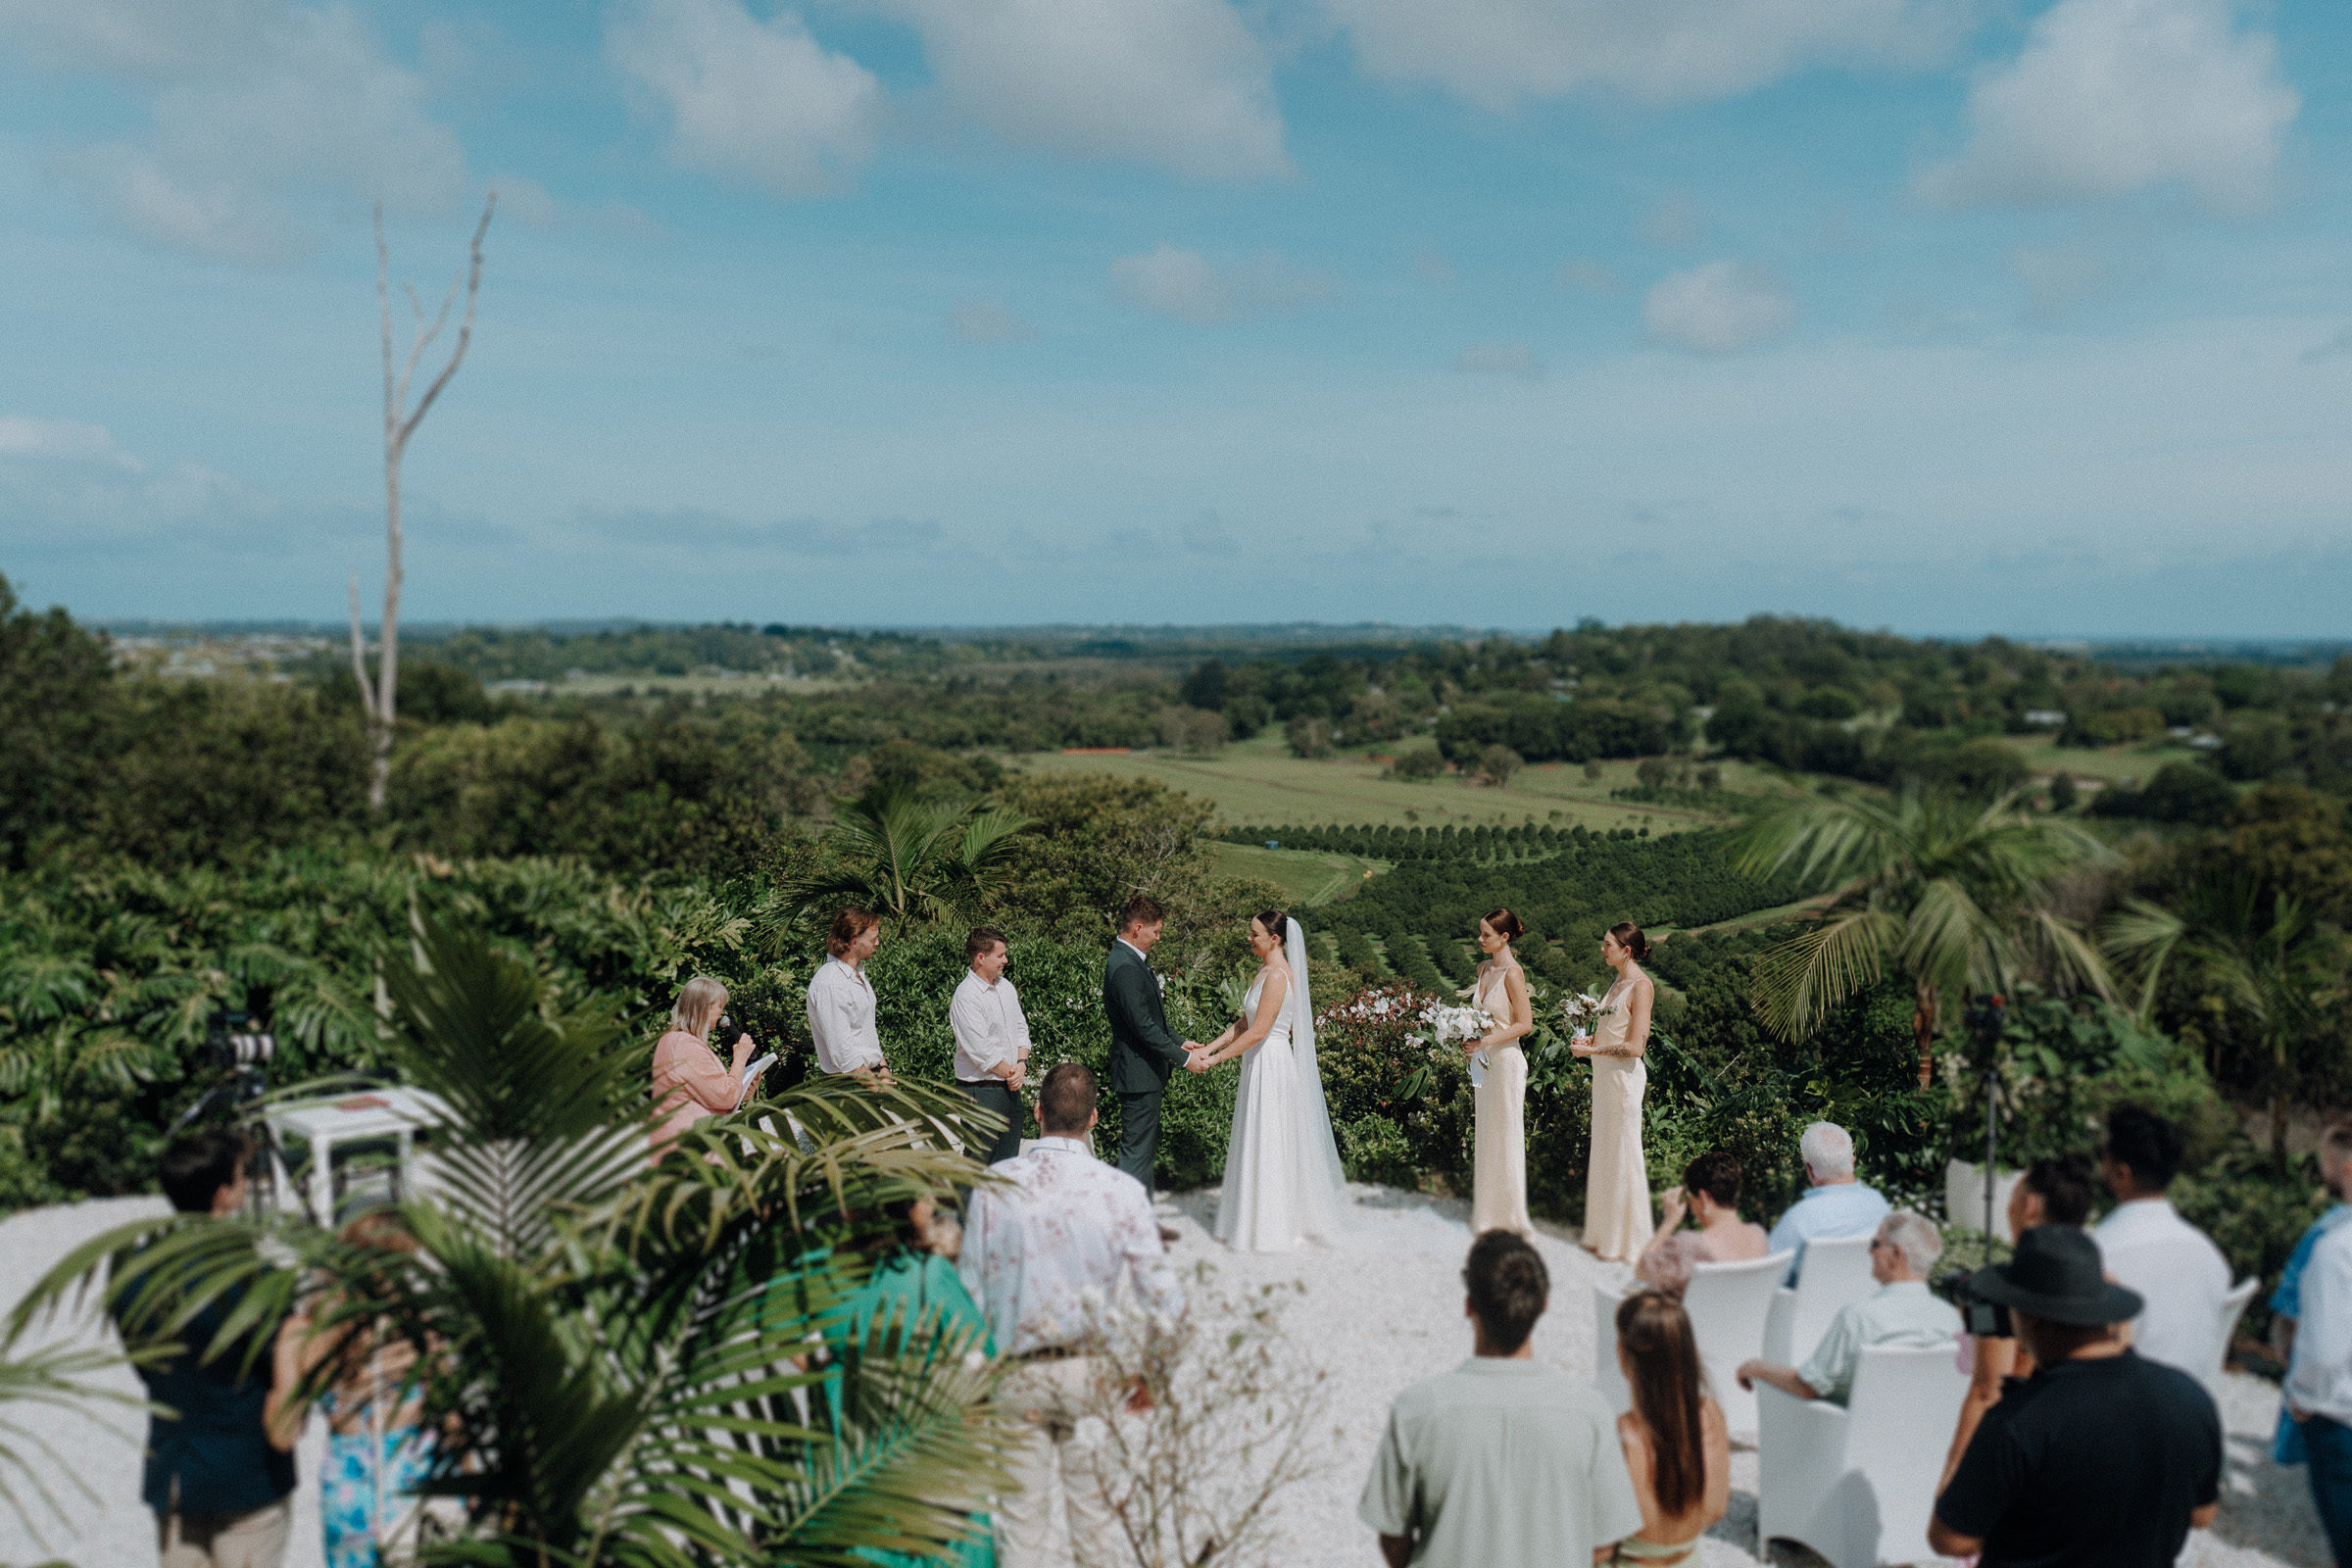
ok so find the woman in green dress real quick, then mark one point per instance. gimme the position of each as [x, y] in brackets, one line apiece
[914, 1297]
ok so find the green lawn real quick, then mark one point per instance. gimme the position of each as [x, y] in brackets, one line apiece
[1306, 878]
[2110, 763]
[1257, 783]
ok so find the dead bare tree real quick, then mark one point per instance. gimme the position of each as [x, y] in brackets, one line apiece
[379, 696]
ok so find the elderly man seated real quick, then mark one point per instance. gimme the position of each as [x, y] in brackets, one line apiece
[1902, 1311]
[1833, 1203]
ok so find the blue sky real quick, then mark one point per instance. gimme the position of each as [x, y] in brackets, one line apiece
[1947, 316]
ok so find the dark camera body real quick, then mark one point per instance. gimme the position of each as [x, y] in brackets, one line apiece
[1985, 1320]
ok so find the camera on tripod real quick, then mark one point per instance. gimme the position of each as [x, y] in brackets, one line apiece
[234, 1045]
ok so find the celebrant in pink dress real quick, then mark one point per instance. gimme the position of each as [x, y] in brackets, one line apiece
[1617, 1222]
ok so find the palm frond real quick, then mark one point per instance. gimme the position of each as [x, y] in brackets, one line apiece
[1797, 983]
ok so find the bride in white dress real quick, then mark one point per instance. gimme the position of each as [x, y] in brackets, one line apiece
[1283, 1182]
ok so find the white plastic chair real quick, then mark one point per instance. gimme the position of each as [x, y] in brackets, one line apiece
[1728, 1304]
[2233, 1307]
[1834, 1274]
[1858, 1484]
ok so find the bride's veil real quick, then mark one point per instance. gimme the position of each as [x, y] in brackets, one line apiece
[1316, 1117]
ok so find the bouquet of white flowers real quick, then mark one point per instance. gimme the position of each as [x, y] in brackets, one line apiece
[1442, 1031]
[1582, 1011]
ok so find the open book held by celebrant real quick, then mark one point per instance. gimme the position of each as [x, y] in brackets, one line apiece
[758, 1067]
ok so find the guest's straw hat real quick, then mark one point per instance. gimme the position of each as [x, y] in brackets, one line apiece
[2056, 1275]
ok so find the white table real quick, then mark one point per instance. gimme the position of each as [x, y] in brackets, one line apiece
[363, 1114]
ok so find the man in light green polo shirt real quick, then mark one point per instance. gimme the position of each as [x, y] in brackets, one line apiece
[1500, 1462]
[1902, 1311]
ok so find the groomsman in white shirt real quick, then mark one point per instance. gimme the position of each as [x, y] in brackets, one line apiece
[1044, 1253]
[992, 1039]
[841, 1002]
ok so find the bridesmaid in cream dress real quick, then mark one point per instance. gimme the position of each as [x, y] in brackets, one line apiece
[1617, 1222]
[1499, 1194]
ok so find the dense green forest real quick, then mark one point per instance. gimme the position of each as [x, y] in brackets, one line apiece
[171, 845]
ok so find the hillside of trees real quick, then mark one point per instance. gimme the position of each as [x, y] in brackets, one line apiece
[174, 844]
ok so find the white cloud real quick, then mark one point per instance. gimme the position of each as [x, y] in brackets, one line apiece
[1498, 358]
[254, 106]
[1189, 287]
[756, 101]
[62, 440]
[66, 485]
[989, 322]
[1674, 220]
[1720, 308]
[1179, 84]
[1496, 53]
[2110, 97]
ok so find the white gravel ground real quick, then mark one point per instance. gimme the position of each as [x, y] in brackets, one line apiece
[1378, 1317]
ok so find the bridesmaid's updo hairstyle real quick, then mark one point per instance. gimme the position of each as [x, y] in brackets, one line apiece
[848, 926]
[1277, 924]
[1506, 924]
[1629, 937]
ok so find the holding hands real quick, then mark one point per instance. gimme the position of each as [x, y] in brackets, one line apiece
[1196, 1056]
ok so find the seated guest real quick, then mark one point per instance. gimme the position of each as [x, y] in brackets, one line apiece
[689, 1084]
[2150, 1250]
[2102, 1458]
[1902, 1311]
[1677, 1445]
[1833, 1205]
[2053, 1191]
[1709, 1194]
[1502, 1463]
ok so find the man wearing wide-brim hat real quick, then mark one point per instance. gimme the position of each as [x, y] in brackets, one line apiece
[2101, 1458]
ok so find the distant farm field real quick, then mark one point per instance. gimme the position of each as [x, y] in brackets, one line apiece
[2111, 764]
[1257, 783]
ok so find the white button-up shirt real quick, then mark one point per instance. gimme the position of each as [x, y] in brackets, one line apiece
[2178, 1271]
[2318, 1380]
[841, 1018]
[990, 1030]
[1044, 1255]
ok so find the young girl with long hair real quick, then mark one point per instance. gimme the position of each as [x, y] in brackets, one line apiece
[1677, 1447]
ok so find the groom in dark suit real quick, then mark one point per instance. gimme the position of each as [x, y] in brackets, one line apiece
[1143, 1050]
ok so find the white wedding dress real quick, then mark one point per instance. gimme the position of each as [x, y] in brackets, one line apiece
[1283, 1181]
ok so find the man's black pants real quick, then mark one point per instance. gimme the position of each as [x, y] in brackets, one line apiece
[996, 1095]
[1139, 1135]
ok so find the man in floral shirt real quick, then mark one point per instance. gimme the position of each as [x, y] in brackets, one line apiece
[1044, 1256]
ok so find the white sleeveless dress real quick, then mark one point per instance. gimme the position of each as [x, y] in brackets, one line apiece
[1499, 1152]
[1277, 1191]
[1617, 1220]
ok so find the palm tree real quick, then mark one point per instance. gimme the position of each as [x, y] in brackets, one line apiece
[618, 1359]
[1954, 895]
[913, 858]
[2278, 967]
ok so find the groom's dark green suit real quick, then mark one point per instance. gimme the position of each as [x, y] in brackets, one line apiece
[1143, 1050]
